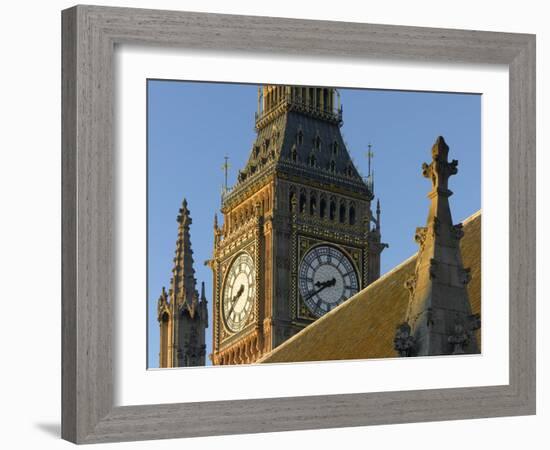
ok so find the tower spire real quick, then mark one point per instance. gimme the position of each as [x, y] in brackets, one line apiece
[439, 319]
[183, 273]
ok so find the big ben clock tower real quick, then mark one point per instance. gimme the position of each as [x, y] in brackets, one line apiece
[298, 235]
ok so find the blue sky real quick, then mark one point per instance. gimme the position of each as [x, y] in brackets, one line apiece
[192, 126]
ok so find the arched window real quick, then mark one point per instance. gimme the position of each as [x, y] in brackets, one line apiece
[291, 200]
[342, 213]
[312, 160]
[349, 171]
[335, 148]
[293, 154]
[323, 208]
[300, 137]
[313, 205]
[332, 166]
[352, 215]
[303, 202]
[332, 211]
[317, 143]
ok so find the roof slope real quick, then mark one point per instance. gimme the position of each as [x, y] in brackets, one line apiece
[364, 326]
[300, 145]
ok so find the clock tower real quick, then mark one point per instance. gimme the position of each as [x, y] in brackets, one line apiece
[298, 235]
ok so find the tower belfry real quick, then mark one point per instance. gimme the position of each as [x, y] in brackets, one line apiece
[439, 319]
[299, 205]
[182, 315]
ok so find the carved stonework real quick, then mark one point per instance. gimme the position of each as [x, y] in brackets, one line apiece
[403, 342]
[410, 284]
[439, 311]
[183, 313]
[459, 339]
[474, 321]
[464, 276]
[420, 235]
[457, 231]
[162, 305]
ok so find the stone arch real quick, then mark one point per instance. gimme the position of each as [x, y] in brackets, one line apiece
[313, 204]
[294, 154]
[352, 216]
[332, 209]
[317, 142]
[291, 198]
[312, 160]
[323, 207]
[342, 212]
[303, 201]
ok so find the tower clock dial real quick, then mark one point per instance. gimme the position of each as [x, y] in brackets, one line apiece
[239, 291]
[326, 278]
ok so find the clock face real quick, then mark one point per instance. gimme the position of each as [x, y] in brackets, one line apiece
[239, 291]
[326, 278]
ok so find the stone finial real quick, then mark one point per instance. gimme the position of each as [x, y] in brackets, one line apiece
[162, 303]
[440, 169]
[183, 217]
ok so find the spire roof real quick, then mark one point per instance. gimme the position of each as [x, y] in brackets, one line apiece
[299, 137]
[183, 283]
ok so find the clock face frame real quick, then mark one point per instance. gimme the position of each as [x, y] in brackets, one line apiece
[239, 292]
[326, 278]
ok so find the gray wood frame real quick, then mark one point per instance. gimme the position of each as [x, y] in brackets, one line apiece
[90, 34]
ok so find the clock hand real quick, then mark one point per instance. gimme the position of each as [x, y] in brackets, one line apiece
[234, 300]
[322, 285]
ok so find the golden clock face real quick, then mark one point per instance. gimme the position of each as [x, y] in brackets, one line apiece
[326, 278]
[239, 292]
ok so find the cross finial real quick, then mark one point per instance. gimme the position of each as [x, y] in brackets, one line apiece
[440, 169]
[225, 168]
[370, 155]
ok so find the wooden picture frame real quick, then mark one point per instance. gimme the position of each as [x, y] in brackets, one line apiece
[90, 34]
